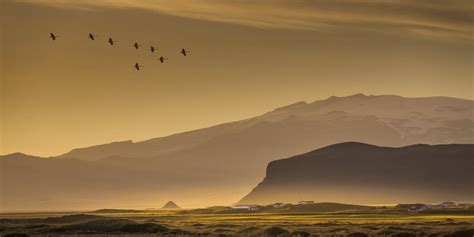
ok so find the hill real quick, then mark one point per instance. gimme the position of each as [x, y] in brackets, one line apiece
[170, 205]
[361, 173]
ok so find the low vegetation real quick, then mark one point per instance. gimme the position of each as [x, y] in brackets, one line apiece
[196, 223]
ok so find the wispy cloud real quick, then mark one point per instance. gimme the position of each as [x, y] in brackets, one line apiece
[427, 18]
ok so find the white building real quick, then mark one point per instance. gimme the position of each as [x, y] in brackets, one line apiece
[278, 205]
[245, 207]
[436, 206]
[306, 202]
[449, 204]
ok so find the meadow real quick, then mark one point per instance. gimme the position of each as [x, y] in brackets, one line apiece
[183, 223]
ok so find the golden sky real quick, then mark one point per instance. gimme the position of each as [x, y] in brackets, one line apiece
[247, 58]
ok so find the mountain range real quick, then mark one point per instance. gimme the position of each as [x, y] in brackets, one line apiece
[220, 164]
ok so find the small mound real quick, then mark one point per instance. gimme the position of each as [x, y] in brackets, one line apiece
[248, 230]
[170, 206]
[357, 234]
[326, 224]
[225, 225]
[98, 226]
[143, 228]
[463, 233]
[16, 235]
[110, 211]
[69, 219]
[222, 230]
[274, 231]
[453, 223]
[340, 229]
[224, 235]
[298, 233]
[35, 226]
[400, 229]
[11, 221]
[403, 234]
[385, 232]
[198, 225]
[369, 227]
[111, 226]
[178, 232]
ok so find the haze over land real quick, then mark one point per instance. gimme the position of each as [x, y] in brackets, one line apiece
[220, 164]
[83, 126]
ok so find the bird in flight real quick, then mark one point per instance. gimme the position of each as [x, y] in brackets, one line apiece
[53, 36]
[137, 66]
[91, 36]
[136, 45]
[184, 52]
[162, 59]
[152, 49]
[111, 41]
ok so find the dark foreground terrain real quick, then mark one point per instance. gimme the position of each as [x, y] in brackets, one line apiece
[179, 223]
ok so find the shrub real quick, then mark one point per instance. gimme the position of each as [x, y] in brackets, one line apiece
[274, 231]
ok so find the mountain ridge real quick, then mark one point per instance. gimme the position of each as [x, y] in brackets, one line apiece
[103, 148]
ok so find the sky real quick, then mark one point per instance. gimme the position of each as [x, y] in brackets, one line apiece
[246, 58]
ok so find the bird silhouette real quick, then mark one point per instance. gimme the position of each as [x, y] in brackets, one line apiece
[136, 45]
[53, 36]
[162, 59]
[111, 41]
[91, 36]
[184, 52]
[137, 66]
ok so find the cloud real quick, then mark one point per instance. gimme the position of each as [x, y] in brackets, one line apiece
[427, 18]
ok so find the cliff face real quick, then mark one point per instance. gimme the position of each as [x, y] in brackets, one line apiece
[360, 173]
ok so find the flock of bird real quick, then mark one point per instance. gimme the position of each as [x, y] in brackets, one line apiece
[137, 66]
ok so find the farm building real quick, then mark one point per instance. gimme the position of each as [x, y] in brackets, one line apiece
[415, 207]
[278, 205]
[246, 207]
[449, 204]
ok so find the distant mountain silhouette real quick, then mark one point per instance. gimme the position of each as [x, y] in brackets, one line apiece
[360, 173]
[170, 205]
[394, 121]
[226, 160]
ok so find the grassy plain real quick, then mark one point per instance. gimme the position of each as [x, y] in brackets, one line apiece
[179, 223]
